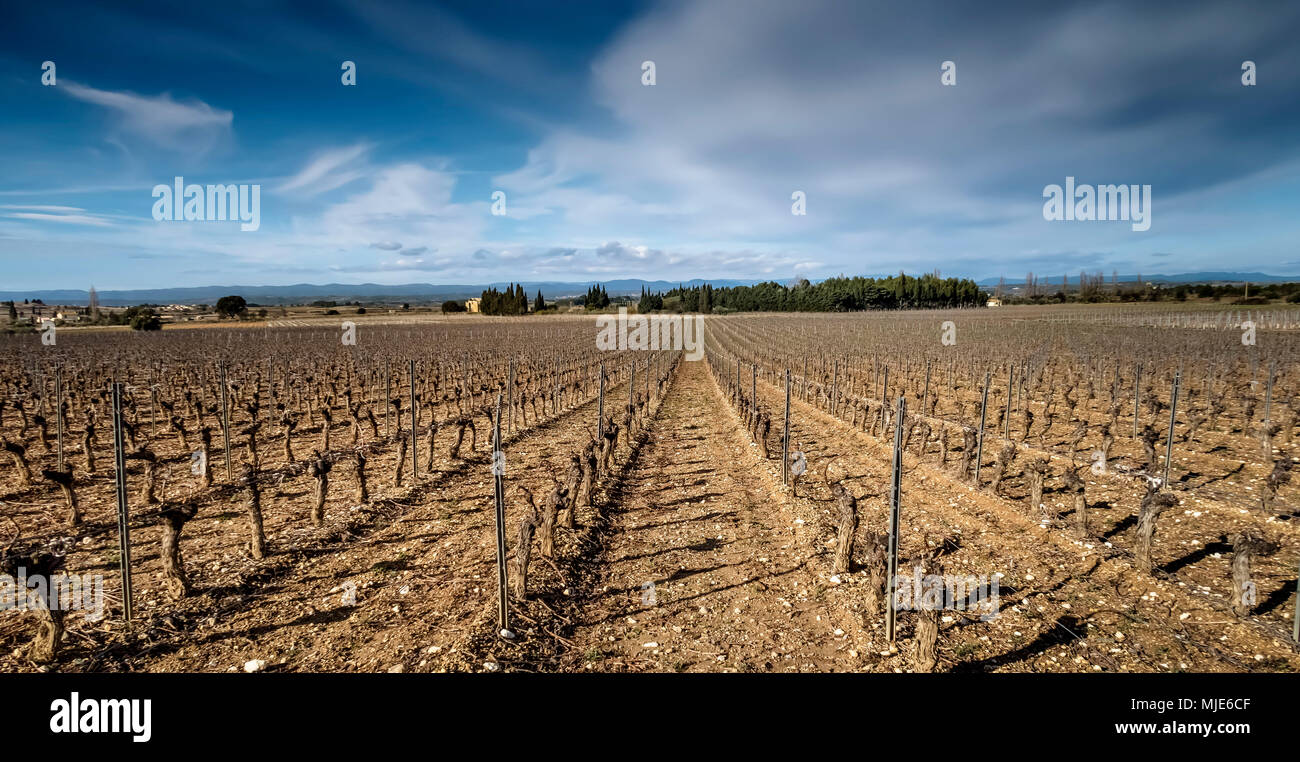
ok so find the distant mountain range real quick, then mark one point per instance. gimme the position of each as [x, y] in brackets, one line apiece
[1201, 277]
[301, 293]
[347, 292]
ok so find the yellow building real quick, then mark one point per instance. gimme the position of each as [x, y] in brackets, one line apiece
[471, 305]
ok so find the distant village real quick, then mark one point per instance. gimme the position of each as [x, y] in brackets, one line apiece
[30, 314]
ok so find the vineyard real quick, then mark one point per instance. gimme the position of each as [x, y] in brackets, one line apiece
[498, 494]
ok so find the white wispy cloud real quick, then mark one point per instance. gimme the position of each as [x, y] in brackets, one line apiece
[67, 219]
[160, 119]
[328, 170]
[439, 34]
[406, 205]
[43, 208]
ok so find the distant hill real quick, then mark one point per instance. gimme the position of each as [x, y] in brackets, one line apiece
[1213, 277]
[347, 292]
[301, 293]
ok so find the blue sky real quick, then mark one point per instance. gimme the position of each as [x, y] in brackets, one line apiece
[391, 181]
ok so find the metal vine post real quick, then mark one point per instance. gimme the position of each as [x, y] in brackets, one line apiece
[225, 420]
[1173, 414]
[123, 519]
[785, 436]
[979, 449]
[415, 417]
[895, 499]
[499, 492]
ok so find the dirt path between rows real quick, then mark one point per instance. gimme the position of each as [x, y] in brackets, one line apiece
[706, 565]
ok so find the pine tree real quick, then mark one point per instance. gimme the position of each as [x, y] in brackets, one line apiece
[597, 298]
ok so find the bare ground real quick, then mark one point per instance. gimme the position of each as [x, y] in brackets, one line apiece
[707, 566]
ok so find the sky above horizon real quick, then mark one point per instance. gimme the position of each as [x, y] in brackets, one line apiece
[392, 180]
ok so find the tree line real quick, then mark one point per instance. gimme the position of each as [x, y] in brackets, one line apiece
[1094, 288]
[513, 301]
[841, 294]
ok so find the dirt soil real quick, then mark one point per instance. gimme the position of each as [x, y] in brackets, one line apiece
[1065, 604]
[707, 565]
[693, 557]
